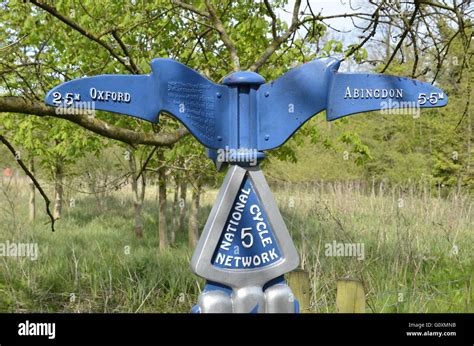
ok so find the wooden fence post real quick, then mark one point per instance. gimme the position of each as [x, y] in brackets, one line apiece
[470, 294]
[350, 296]
[298, 280]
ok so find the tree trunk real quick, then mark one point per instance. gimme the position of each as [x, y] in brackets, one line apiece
[163, 229]
[469, 150]
[175, 210]
[193, 225]
[388, 38]
[58, 189]
[32, 206]
[141, 199]
[182, 203]
[138, 196]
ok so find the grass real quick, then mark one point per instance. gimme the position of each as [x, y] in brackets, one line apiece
[94, 263]
[410, 242]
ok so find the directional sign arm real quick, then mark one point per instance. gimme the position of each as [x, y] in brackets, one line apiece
[356, 93]
[288, 102]
[171, 87]
[124, 94]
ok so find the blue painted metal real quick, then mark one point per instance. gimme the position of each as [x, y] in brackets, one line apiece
[244, 112]
[172, 87]
[243, 78]
[286, 103]
[255, 310]
[378, 91]
[247, 240]
[243, 116]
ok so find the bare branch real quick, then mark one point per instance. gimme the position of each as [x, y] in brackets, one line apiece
[273, 16]
[51, 10]
[10, 69]
[147, 21]
[145, 164]
[436, 4]
[375, 23]
[33, 179]
[217, 25]
[198, 38]
[404, 34]
[224, 36]
[413, 37]
[122, 45]
[13, 43]
[191, 8]
[276, 43]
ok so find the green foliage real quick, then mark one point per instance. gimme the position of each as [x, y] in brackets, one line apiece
[360, 149]
[52, 141]
[94, 263]
[359, 55]
[332, 47]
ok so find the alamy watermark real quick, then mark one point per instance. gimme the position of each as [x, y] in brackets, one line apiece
[28, 328]
[79, 108]
[10, 249]
[336, 249]
[232, 155]
[391, 107]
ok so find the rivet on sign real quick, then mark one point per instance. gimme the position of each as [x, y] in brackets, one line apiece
[218, 95]
[267, 94]
[219, 138]
[267, 137]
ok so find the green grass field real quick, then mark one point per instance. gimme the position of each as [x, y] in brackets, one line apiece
[417, 252]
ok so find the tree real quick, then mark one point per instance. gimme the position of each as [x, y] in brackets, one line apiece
[47, 43]
[55, 144]
[436, 49]
[138, 183]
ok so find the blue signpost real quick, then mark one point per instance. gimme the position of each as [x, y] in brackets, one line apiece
[245, 247]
